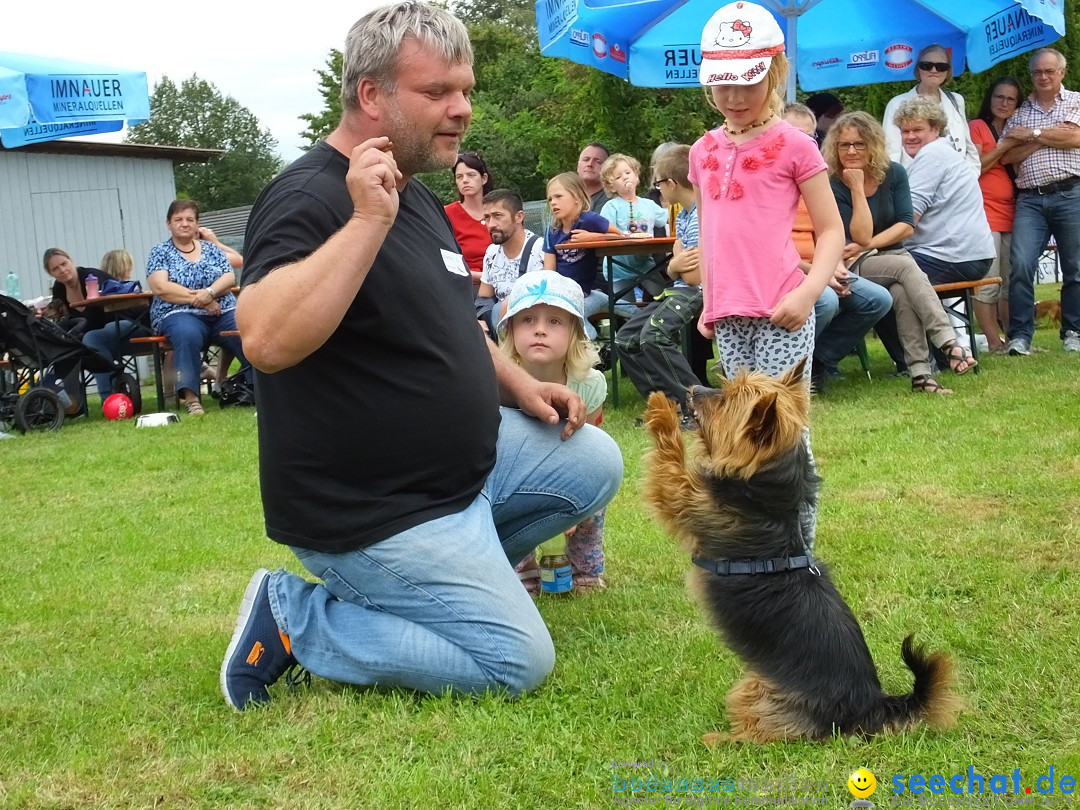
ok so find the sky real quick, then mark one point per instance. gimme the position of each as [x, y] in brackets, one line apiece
[264, 58]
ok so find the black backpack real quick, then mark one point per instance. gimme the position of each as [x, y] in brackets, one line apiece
[236, 391]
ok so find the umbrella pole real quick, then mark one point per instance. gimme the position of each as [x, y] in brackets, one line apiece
[791, 43]
[791, 10]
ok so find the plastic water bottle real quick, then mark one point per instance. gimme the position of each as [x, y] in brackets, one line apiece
[91, 286]
[14, 288]
[556, 575]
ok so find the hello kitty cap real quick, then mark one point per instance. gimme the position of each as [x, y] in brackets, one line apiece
[738, 44]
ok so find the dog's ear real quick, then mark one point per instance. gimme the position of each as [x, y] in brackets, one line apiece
[793, 377]
[761, 424]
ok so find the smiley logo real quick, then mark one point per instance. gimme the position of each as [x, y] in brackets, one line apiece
[862, 784]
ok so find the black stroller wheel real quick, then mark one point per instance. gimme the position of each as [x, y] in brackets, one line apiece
[124, 383]
[8, 399]
[38, 409]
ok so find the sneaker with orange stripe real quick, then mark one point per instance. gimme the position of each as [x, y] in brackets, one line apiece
[259, 653]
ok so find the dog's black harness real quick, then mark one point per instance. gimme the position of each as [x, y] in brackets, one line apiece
[777, 565]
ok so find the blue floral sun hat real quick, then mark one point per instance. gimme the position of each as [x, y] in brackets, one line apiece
[545, 287]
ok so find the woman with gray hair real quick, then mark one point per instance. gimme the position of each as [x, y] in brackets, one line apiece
[933, 69]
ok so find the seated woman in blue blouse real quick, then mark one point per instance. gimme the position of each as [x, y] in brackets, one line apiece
[192, 282]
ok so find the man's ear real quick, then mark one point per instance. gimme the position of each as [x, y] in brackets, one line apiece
[519, 217]
[369, 94]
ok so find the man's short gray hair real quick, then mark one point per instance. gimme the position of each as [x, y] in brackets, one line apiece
[1062, 62]
[921, 109]
[374, 41]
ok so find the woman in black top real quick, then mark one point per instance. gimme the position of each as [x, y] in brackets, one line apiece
[98, 329]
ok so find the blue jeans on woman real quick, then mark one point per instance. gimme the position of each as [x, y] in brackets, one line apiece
[189, 335]
[438, 607]
[110, 342]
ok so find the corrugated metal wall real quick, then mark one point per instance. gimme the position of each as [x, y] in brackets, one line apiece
[86, 205]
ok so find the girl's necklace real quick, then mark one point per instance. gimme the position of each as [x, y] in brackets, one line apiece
[746, 128]
[192, 250]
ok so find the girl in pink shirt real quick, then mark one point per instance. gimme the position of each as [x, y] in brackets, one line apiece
[748, 176]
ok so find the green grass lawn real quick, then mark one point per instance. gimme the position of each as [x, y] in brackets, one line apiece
[126, 553]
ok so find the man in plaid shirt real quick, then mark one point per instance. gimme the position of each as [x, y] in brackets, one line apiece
[1045, 132]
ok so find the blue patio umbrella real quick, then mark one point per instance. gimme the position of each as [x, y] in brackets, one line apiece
[42, 99]
[831, 43]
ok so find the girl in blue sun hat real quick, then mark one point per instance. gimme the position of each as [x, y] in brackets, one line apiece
[543, 331]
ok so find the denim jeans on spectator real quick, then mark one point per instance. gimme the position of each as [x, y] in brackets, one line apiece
[596, 301]
[110, 342]
[189, 335]
[1039, 216]
[942, 272]
[854, 316]
[439, 606]
[826, 308]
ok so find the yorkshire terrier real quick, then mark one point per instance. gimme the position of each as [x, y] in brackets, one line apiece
[735, 504]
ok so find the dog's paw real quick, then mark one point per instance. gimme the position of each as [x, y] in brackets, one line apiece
[661, 413]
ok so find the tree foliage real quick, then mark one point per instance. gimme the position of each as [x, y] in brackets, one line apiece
[322, 123]
[532, 114]
[196, 114]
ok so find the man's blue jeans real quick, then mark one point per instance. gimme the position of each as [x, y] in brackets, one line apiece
[439, 606]
[840, 322]
[1039, 216]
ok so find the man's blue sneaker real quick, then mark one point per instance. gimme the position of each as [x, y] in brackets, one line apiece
[259, 652]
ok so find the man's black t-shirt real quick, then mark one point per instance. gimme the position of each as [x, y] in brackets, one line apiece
[393, 421]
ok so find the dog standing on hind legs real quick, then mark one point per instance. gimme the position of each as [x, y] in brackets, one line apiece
[735, 503]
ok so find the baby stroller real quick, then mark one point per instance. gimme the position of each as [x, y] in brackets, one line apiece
[40, 354]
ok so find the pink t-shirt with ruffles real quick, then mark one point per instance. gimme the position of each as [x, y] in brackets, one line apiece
[749, 195]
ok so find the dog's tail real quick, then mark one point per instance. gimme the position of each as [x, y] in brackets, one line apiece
[932, 699]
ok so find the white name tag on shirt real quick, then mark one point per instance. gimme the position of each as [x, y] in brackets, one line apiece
[454, 262]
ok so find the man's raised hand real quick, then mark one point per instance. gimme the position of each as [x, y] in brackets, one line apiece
[373, 181]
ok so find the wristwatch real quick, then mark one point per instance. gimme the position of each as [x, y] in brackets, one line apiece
[1035, 133]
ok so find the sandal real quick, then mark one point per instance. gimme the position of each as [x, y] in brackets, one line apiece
[194, 407]
[925, 384]
[960, 359]
[586, 583]
[529, 576]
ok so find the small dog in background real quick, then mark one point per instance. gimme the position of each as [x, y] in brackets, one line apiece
[735, 505]
[55, 311]
[59, 313]
[1048, 309]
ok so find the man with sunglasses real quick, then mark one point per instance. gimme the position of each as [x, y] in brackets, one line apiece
[1045, 133]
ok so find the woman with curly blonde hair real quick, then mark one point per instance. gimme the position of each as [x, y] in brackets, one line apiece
[874, 199]
[869, 132]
